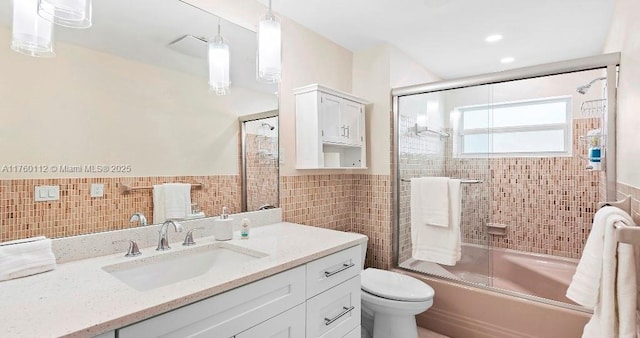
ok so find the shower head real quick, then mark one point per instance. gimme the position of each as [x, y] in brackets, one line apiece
[265, 124]
[584, 88]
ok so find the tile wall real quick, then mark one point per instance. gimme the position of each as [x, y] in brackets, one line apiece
[344, 202]
[547, 203]
[262, 171]
[77, 213]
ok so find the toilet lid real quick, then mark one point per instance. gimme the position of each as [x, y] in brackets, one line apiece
[396, 286]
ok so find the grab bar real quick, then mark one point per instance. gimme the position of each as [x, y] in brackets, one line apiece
[464, 181]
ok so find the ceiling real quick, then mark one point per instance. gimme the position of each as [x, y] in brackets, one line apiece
[448, 36]
[142, 30]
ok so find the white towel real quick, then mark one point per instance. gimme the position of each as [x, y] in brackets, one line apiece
[171, 201]
[158, 204]
[434, 243]
[431, 196]
[605, 279]
[26, 257]
[177, 200]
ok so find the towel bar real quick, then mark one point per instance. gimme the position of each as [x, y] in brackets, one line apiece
[125, 188]
[627, 234]
[419, 130]
[463, 181]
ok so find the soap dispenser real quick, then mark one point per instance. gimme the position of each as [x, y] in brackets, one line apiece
[222, 226]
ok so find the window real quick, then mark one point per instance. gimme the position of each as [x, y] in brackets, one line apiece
[526, 128]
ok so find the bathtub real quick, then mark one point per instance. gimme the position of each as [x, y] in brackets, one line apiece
[532, 274]
[500, 293]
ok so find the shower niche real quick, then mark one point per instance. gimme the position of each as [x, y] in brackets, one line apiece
[529, 141]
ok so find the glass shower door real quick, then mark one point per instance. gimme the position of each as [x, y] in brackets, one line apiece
[431, 143]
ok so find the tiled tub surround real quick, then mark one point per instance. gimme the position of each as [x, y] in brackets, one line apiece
[547, 203]
[93, 301]
[346, 202]
[77, 213]
[262, 170]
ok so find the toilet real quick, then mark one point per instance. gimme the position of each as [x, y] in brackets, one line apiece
[390, 302]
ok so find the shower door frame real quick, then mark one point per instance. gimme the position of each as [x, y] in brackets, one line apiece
[610, 62]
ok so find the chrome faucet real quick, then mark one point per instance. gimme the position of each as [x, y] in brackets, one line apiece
[138, 216]
[163, 241]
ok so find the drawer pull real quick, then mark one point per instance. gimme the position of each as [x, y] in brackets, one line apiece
[342, 268]
[345, 310]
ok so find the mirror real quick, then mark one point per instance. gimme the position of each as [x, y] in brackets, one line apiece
[123, 102]
[260, 161]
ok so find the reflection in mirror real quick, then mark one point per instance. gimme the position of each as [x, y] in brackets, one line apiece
[260, 161]
[124, 102]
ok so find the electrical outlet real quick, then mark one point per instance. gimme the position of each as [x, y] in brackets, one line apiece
[97, 190]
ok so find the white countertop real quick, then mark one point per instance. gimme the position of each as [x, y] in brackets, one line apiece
[80, 299]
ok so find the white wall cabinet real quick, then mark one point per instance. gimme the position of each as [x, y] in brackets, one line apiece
[319, 299]
[330, 129]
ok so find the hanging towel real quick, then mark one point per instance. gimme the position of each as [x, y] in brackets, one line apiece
[431, 195]
[605, 279]
[438, 244]
[177, 200]
[158, 204]
[171, 201]
[26, 257]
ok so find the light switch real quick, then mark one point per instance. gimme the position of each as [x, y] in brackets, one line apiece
[44, 193]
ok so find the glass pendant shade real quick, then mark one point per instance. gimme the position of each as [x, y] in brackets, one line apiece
[67, 13]
[269, 49]
[219, 66]
[31, 34]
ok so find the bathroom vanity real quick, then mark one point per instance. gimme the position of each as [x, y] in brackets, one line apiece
[298, 281]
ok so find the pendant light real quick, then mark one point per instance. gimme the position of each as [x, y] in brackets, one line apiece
[219, 65]
[31, 34]
[269, 48]
[67, 13]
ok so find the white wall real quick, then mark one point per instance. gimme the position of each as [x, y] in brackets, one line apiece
[87, 107]
[371, 73]
[624, 37]
[375, 72]
[307, 58]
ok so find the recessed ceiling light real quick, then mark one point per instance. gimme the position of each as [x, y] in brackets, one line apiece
[507, 60]
[493, 38]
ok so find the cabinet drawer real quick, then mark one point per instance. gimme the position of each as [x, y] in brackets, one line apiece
[327, 272]
[355, 333]
[335, 312]
[229, 313]
[286, 325]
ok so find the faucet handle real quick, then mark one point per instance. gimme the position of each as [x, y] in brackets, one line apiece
[133, 248]
[188, 239]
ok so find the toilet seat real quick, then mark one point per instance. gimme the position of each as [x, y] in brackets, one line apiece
[395, 286]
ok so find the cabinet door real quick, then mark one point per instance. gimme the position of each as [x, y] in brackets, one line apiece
[286, 325]
[228, 313]
[332, 128]
[351, 119]
[335, 312]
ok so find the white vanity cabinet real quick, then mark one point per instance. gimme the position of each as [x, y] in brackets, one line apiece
[330, 129]
[319, 299]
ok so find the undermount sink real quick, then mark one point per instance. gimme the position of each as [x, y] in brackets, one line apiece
[175, 266]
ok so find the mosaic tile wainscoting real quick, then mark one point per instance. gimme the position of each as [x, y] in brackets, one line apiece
[77, 213]
[345, 202]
